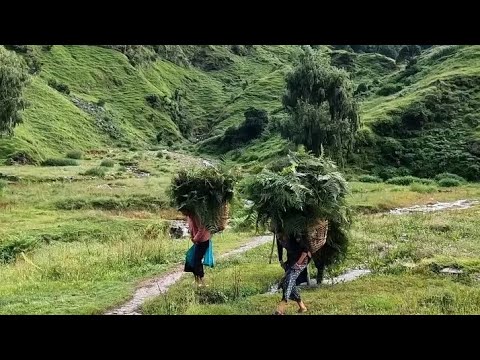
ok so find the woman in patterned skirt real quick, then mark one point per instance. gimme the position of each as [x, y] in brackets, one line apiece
[298, 257]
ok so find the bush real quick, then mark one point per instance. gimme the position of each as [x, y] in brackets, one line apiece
[101, 102]
[63, 88]
[107, 163]
[20, 158]
[153, 100]
[252, 127]
[389, 89]
[369, 179]
[361, 88]
[408, 180]
[132, 202]
[95, 171]
[449, 176]
[422, 188]
[59, 162]
[75, 154]
[449, 182]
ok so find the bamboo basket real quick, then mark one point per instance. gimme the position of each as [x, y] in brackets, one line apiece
[222, 224]
[317, 235]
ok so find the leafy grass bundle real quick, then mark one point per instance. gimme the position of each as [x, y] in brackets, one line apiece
[204, 192]
[292, 198]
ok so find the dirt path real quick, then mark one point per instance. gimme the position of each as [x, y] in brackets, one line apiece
[439, 206]
[159, 285]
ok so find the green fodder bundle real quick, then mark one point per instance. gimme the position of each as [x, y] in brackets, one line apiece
[295, 199]
[205, 192]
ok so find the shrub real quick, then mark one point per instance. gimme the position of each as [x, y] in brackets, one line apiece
[389, 89]
[59, 162]
[107, 163]
[95, 171]
[422, 188]
[449, 182]
[408, 180]
[153, 100]
[449, 176]
[369, 179]
[132, 202]
[63, 88]
[74, 154]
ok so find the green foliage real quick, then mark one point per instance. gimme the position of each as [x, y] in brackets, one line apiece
[408, 180]
[449, 182]
[389, 89]
[254, 124]
[369, 179]
[447, 175]
[74, 154]
[422, 188]
[323, 112]
[202, 192]
[408, 52]
[98, 171]
[13, 79]
[107, 163]
[59, 162]
[9, 250]
[60, 87]
[131, 202]
[291, 198]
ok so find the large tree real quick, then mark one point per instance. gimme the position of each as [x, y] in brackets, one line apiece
[13, 77]
[323, 112]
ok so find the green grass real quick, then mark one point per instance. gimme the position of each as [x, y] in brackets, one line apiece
[98, 171]
[87, 277]
[98, 75]
[79, 247]
[59, 162]
[217, 99]
[371, 197]
[405, 253]
[369, 179]
[107, 163]
[376, 295]
[74, 154]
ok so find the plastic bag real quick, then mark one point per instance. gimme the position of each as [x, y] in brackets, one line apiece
[190, 256]
[208, 259]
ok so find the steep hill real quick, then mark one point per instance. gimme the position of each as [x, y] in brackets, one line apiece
[420, 117]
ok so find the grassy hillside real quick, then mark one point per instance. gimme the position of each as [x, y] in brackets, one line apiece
[418, 119]
[107, 106]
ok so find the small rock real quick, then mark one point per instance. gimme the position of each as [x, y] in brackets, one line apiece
[451, 271]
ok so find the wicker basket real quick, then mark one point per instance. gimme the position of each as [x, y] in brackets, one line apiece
[317, 235]
[222, 223]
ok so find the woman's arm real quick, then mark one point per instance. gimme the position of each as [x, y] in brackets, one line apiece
[201, 232]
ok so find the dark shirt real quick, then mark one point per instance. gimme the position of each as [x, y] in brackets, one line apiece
[294, 250]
